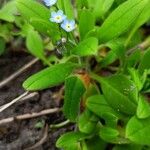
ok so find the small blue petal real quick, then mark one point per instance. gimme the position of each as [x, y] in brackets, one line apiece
[60, 12]
[68, 25]
[72, 22]
[53, 14]
[63, 25]
[57, 17]
[50, 2]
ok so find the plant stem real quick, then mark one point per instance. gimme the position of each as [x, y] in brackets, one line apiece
[141, 46]
[59, 125]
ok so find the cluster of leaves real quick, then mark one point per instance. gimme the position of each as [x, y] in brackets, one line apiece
[106, 87]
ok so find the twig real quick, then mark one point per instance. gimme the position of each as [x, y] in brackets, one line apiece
[142, 46]
[21, 70]
[39, 143]
[31, 95]
[29, 115]
[2, 108]
[59, 125]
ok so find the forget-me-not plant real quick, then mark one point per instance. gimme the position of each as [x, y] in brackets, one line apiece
[50, 2]
[68, 25]
[57, 17]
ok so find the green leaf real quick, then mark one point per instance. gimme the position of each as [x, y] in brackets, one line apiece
[108, 134]
[67, 7]
[45, 27]
[135, 76]
[87, 122]
[112, 135]
[143, 109]
[96, 143]
[32, 9]
[98, 105]
[73, 147]
[142, 18]
[122, 90]
[137, 131]
[70, 138]
[25, 29]
[133, 59]
[49, 77]
[74, 89]
[120, 19]
[40, 124]
[35, 44]
[86, 47]
[86, 25]
[81, 4]
[8, 11]
[144, 64]
[128, 147]
[117, 51]
[2, 45]
[92, 89]
[38, 15]
[101, 7]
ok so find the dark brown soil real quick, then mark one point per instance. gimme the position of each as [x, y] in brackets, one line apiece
[23, 134]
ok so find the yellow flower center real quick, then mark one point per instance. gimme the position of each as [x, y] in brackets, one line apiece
[58, 17]
[68, 26]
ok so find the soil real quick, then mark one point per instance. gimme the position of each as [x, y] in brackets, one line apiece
[24, 134]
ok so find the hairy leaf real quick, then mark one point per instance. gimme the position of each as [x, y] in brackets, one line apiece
[86, 25]
[98, 105]
[120, 93]
[137, 131]
[121, 19]
[86, 47]
[74, 89]
[87, 122]
[143, 109]
[8, 11]
[35, 44]
[142, 18]
[70, 138]
[49, 77]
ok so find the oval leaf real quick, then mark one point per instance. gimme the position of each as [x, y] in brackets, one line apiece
[70, 138]
[108, 134]
[49, 77]
[142, 18]
[86, 25]
[32, 9]
[121, 19]
[120, 93]
[87, 122]
[45, 27]
[137, 131]
[143, 109]
[35, 44]
[98, 105]
[7, 13]
[74, 89]
[86, 47]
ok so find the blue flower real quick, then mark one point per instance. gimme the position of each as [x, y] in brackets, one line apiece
[68, 25]
[50, 2]
[57, 17]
